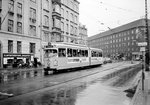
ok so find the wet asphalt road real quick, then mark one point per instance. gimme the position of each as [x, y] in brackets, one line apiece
[70, 88]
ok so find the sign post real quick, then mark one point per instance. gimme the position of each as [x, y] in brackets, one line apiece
[143, 50]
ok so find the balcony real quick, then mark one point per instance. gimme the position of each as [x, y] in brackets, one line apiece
[46, 27]
[54, 13]
[56, 30]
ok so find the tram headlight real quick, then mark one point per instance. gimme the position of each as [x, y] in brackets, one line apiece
[55, 63]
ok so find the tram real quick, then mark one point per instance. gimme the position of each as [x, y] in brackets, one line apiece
[61, 56]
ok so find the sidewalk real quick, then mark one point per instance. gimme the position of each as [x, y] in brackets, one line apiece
[142, 97]
[20, 73]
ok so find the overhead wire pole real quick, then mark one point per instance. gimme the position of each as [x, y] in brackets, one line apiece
[147, 54]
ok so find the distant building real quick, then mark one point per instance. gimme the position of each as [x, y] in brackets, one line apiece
[82, 35]
[120, 42]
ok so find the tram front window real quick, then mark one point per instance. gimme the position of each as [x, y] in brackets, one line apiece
[50, 53]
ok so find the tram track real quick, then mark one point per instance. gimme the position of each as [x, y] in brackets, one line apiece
[60, 83]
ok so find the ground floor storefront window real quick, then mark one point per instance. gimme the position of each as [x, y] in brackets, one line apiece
[15, 60]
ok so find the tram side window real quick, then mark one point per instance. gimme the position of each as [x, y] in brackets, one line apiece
[100, 54]
[75, 52]
[92, 53]
[62, 52]
[69, 52]
[79, 53]
[97, 54]
[86, 53]
[82, 53]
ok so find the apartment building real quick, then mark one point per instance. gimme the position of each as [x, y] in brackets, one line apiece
[19, 34]
[69, 21]
[26, 26]
[121, 41]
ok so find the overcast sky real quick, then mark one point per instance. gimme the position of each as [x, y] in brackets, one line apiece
[112, 13]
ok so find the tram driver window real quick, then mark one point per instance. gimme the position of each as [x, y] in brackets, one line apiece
[62, 52]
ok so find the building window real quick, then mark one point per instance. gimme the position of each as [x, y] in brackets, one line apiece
[72, 18]
[57, 23]
[46, 5]
[32, 30]
[62, 12]
[75, 31]
[32, 14]
[72, 29]
[62, 26]
[10, 25]
[46, 37]
[46, 20]
[0, 4]
[19, 8]
[0, 22]
[19, 46]
[67, 14]
[67, 28]
[10, 46]
[75, 19]
[19, 27]
[11, 5]
[56, 8]
[32, 47]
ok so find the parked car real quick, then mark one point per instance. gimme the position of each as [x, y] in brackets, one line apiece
[107, 60]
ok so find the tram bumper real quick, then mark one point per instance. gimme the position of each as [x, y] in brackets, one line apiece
[48, 71]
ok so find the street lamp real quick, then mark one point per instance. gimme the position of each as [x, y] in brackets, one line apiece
[147, 39]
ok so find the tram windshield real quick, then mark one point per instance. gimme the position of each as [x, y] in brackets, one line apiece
[50, 53]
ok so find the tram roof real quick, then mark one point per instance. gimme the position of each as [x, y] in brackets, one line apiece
[64, 44]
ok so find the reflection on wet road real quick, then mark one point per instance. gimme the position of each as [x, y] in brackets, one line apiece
[99, 94]
[82, 94]
[92, 90]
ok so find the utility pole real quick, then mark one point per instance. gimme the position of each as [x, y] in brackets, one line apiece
[147, 55]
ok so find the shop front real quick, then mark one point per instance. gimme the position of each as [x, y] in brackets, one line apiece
[13, 60]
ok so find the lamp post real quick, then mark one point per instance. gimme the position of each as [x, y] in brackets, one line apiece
[147, 40]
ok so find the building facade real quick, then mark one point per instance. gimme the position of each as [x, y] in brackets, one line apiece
[19, 34]
[82, 34]
[26, 26]
[121, 42]
[70, 21]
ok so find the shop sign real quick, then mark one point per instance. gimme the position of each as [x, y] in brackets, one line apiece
[16, 55]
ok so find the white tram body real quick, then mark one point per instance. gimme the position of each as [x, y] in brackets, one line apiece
[58, 56]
